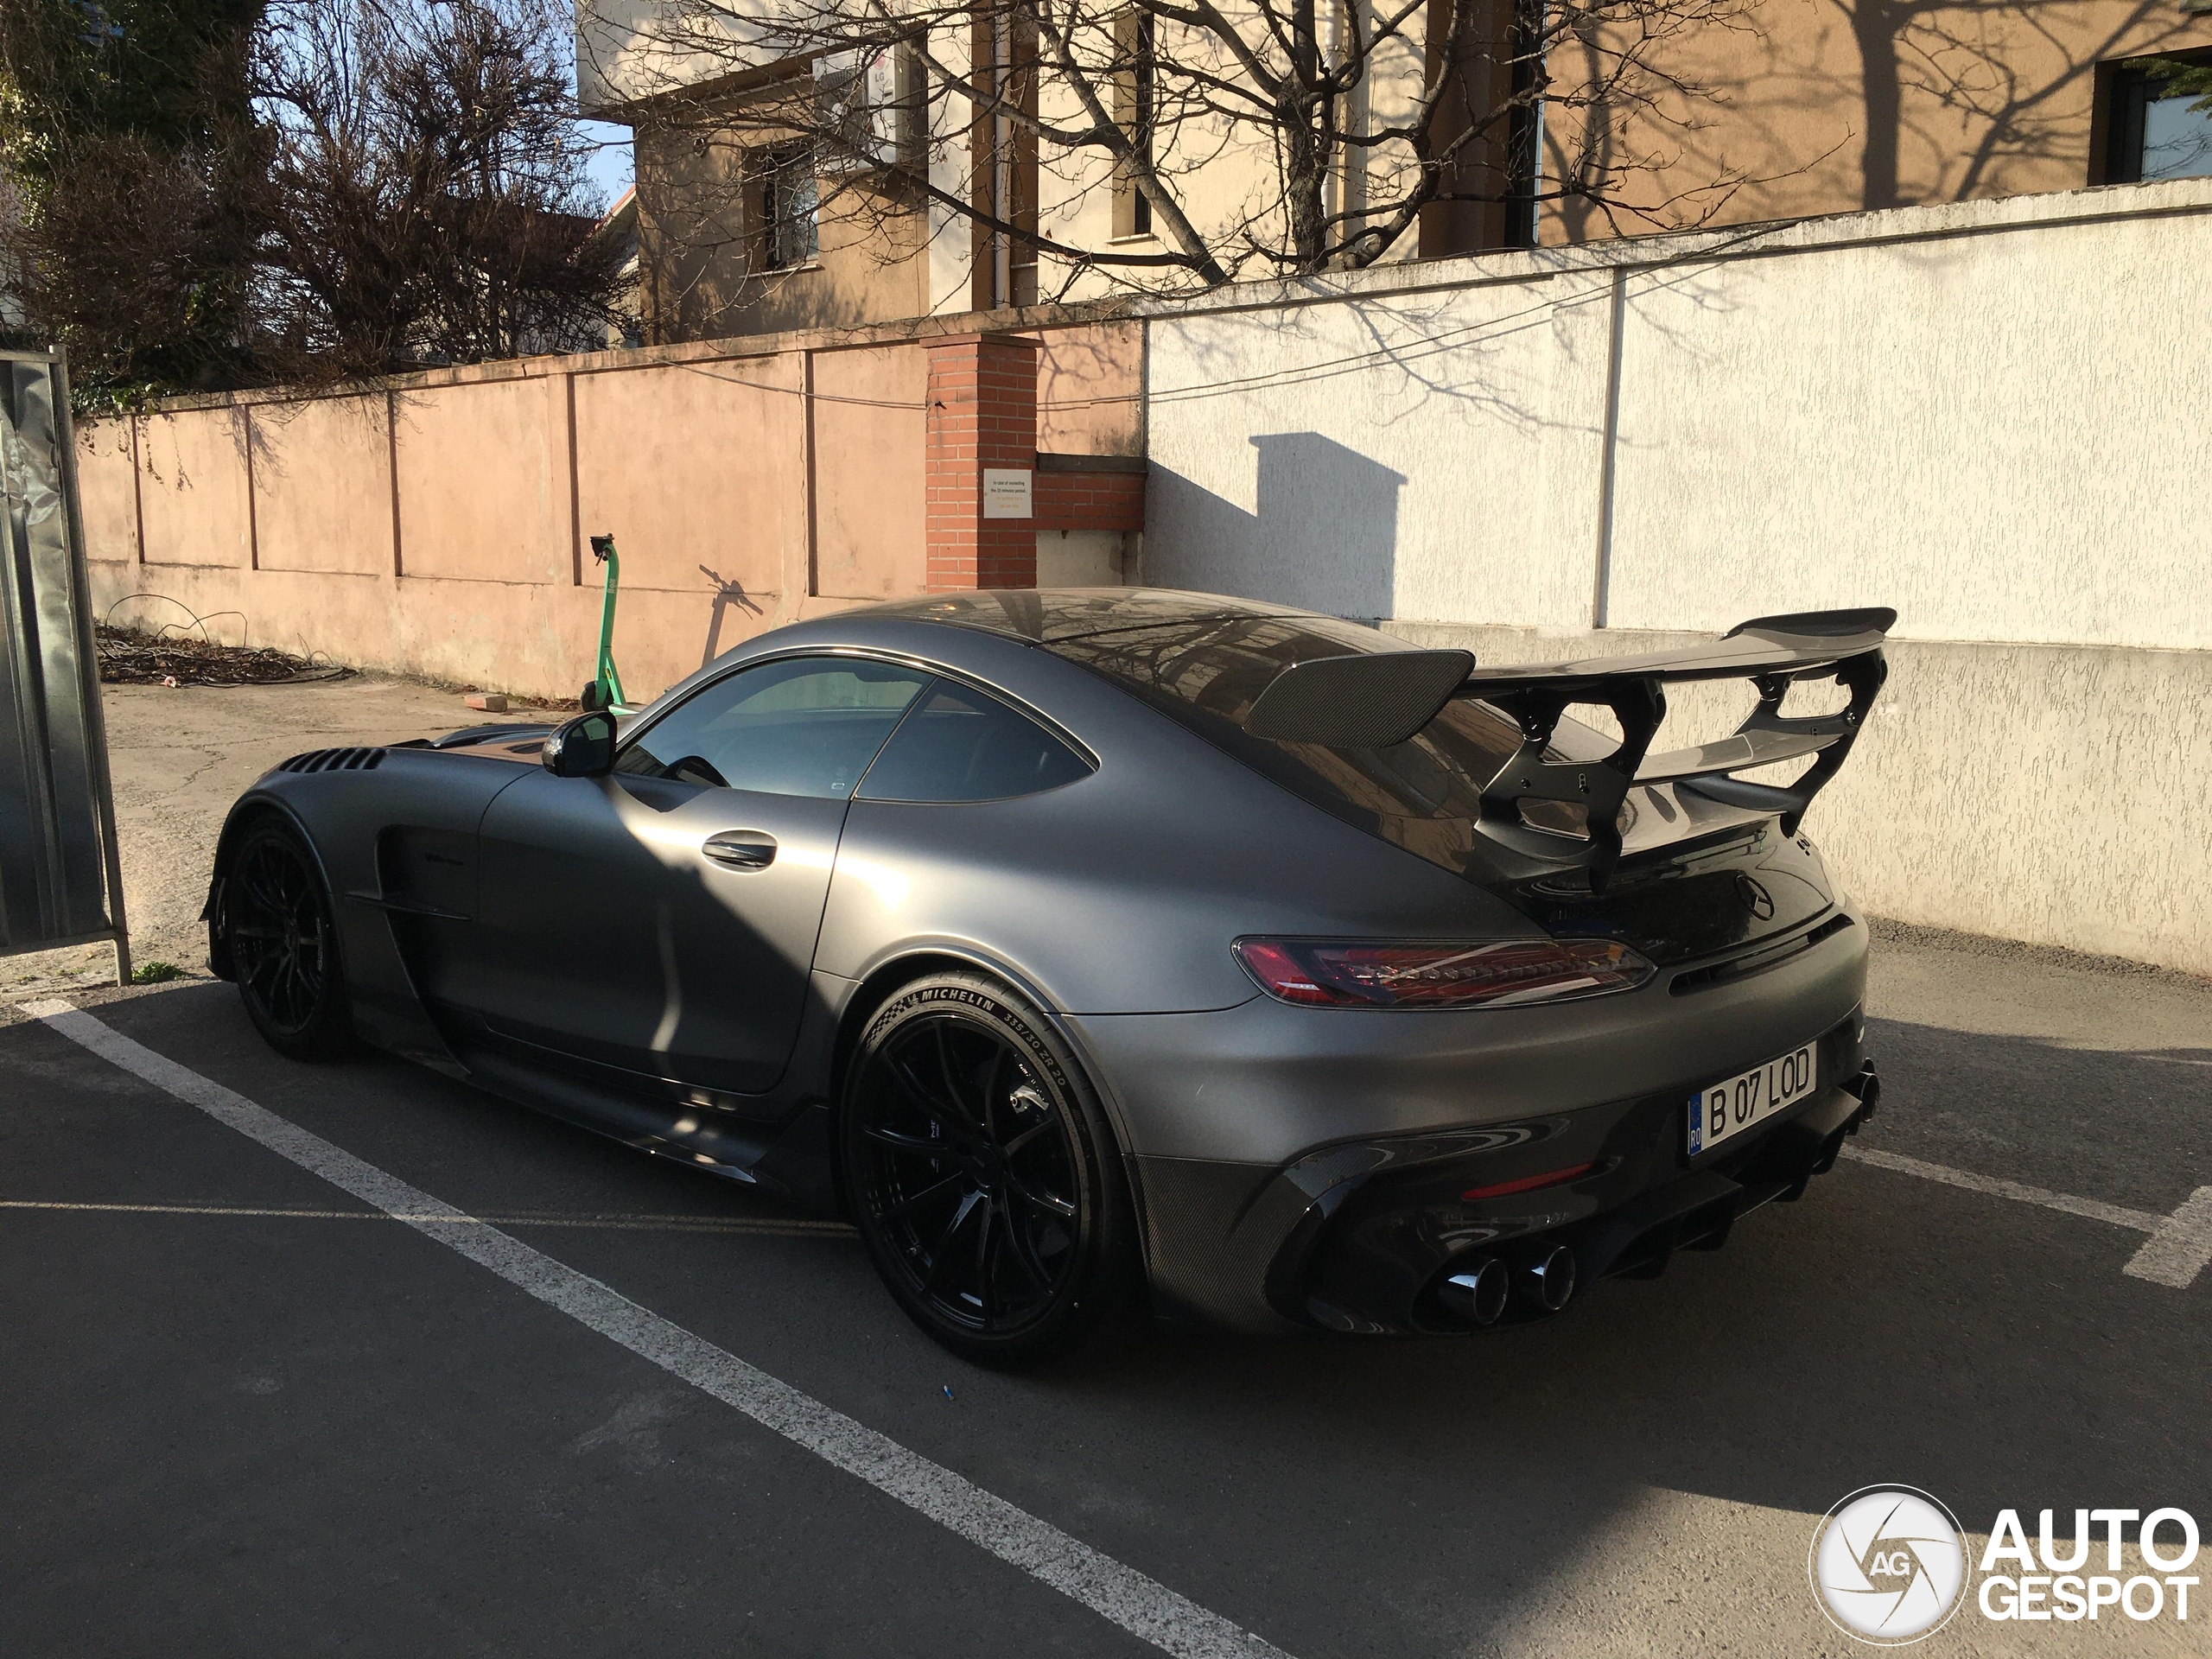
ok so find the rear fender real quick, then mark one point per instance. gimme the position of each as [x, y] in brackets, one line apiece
[884, 976]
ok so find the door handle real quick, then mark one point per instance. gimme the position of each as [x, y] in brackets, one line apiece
[741, 849]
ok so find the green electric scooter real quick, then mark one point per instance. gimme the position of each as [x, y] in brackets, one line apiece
[604, 688]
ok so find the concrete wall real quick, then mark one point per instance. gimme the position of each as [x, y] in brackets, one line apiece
[1988, 415]
[1090, 390]
[2039, 792]
[194, 480]
[323, 489]
[441, 528]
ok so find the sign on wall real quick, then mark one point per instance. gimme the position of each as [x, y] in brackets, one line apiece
[1008, 493]
[61, 882]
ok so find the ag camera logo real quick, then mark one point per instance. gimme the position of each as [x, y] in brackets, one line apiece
[1888, 1565]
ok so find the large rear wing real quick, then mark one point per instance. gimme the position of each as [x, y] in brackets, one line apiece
[1372, 701]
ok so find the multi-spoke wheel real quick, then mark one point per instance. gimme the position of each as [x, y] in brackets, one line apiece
[980, 1173]
[282, 946]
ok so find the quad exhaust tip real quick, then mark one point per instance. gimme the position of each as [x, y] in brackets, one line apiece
[1868, 1086]
[1477, 1291]
[1543, 1274]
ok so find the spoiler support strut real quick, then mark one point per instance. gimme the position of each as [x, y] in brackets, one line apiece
[1385, 698]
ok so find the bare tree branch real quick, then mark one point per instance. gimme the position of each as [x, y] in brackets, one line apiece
[1283, 135]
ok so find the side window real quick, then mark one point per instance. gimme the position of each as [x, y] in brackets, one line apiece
[963, 746]
[808, 726]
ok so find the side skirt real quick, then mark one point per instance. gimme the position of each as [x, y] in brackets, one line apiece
[791, 1157]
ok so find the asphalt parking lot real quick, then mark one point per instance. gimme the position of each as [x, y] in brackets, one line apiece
[249, 1413]
[180, 758]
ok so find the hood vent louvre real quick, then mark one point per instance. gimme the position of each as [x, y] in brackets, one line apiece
[335, 760]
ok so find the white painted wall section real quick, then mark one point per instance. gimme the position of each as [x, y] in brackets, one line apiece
[1990, 414]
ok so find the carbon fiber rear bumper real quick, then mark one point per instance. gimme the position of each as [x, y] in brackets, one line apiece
[1356, 1237]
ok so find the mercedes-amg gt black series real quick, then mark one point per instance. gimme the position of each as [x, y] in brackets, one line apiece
[1099, 950]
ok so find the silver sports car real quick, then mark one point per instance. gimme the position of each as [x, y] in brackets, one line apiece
[1094, 951]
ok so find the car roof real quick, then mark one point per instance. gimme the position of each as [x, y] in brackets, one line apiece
[1049, 616]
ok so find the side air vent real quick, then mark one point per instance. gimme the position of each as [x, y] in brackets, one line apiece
[335, 760]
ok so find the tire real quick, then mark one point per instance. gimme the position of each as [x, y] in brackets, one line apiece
[282, 940]
[983, 1176]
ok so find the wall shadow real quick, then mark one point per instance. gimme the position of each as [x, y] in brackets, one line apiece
[728, 593]
[1936, 72]
[1838, 105]
[1324, 534]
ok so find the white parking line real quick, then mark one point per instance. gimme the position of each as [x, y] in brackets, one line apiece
[2143, 1221]
[794, 1229]
[2180, 1245]
[1139, 1604]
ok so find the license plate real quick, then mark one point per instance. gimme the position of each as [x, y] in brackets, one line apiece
[1738, 1103]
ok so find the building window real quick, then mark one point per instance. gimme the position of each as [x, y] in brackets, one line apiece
[2158, 125]
[1137, 91]
[785, 191]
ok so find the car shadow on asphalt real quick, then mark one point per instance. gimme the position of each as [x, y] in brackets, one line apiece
[1883, 1330]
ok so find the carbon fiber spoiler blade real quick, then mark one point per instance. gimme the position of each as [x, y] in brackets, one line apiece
[1765, 645]
[1375, 701]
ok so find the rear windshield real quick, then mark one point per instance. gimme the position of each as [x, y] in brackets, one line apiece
[1423, 794]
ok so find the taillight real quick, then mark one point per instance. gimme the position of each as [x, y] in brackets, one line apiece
[1438, 973]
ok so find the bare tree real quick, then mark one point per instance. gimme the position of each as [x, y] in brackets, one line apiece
[326, 190]
[1237, 137]
[428, 200]
[127, 162]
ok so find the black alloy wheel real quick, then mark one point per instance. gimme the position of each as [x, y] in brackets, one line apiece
[980, 1176]
[282, 945]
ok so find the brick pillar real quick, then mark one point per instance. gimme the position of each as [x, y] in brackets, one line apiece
[982, 416]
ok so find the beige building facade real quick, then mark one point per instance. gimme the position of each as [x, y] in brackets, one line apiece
[1743, 113]
[702, 91]
[1830, 106]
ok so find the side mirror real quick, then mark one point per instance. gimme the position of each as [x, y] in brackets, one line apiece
[583, 747]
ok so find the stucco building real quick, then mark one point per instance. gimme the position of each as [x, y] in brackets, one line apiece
[1743, 111]
[1824, 106]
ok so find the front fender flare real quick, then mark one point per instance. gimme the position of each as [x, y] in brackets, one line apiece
[255, 803]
